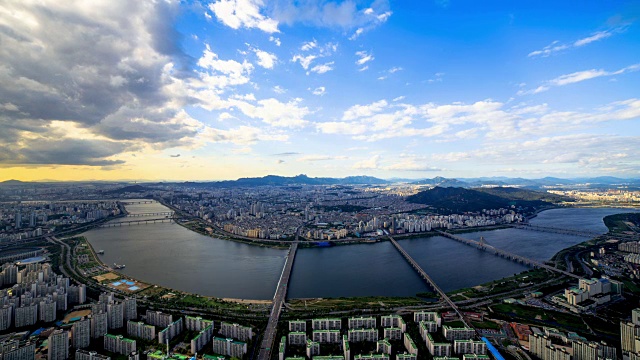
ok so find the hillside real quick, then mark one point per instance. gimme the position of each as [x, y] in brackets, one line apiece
[458, 200]
[523, 194]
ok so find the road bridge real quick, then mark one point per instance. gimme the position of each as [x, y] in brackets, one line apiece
[428, 279]
[138, 202]
[278, 300]
[505, 254]
[555, 230]
[165, 213]
[136, 222]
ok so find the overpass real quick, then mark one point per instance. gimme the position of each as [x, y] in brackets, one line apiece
[505, 254]
[167, 213]
[428, 279]
[136, 222]
[278, 300]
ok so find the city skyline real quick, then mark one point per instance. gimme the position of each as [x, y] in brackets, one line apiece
[244, 88]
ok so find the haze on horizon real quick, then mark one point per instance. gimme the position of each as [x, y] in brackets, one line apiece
[212, 90]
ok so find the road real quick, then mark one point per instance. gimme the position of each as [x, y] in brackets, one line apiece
[278, 299]
[506, 254]
[428, 279]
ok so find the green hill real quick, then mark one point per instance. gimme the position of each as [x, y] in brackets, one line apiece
[459, 200]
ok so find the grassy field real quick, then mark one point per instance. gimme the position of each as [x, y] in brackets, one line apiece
[620, 222]
[371, 302]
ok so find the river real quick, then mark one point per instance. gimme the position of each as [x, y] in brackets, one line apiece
[170, 255]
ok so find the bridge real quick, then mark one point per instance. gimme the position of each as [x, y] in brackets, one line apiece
[278, 300]
[505, 254]
[137, 202]
[166, 213]
[555, 230]
[428, 279]
[136, 222]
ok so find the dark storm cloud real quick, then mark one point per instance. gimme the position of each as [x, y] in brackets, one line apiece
[65, 152]
[102, 65]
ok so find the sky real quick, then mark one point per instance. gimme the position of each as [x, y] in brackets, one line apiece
[223, 89]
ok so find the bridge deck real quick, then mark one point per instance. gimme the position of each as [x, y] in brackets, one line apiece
[428, 279]
[506, 254]
[278, 299]
[136, 222]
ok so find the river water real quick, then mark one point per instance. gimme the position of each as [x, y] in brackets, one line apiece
[170, 255]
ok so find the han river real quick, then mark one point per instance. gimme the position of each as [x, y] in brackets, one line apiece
[170, 255]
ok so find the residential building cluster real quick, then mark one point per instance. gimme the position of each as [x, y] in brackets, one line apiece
[386, 332]
[23, 220]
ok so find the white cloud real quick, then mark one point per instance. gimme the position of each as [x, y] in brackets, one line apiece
[313, 158]
[578, 76]
[395, 69]
[309, 45]
[323, 68]
[243, 13]
[555, 46]
[319, 91]
[305, 61]
[363, 58]
[345, 15]
[279, 89]
[371, 163]
[275, 40]
[276, 113]
[242, 135]
[363, 68]
[358, 111]
[265, 59]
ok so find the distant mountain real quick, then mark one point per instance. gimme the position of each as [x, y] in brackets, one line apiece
[442, 182]
[457, 200]
[11, 182]
[275, 180]
[128, 189]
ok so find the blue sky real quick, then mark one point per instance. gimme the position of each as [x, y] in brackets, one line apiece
[234, 88]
